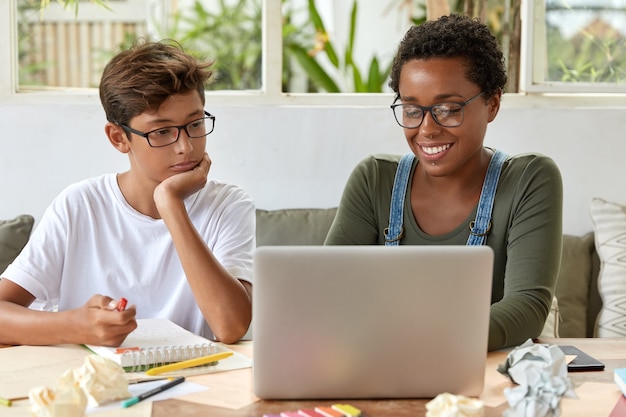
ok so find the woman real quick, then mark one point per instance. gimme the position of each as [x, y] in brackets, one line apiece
[449, 76]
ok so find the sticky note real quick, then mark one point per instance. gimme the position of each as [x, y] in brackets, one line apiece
[329, 412]
[309, 412]
[347, 410]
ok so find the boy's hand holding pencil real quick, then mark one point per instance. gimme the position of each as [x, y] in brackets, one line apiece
[102, 321]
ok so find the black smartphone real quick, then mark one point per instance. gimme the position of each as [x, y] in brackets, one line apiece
[582, 361]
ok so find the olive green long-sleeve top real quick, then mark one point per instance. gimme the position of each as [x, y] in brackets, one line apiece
[526, 235]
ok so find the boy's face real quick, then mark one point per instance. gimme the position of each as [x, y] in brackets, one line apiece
[157, 164]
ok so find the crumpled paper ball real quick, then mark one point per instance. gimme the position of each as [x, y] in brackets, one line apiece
[101, 379]
[68, 401]
[541, 374]
[449, 405]
[98, 381]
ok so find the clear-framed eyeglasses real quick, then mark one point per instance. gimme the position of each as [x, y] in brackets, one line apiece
[168, 135]
[449, 114]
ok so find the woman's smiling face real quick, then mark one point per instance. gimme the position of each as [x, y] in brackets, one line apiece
[441, 80]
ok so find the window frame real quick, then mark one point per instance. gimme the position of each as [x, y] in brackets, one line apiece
[533, 94]
[534, 54]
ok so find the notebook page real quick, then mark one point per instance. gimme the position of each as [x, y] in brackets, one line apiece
[158, 341]
[25, 367]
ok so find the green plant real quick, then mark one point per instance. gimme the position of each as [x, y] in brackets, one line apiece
[39, 66]
[43, 4]
[307, 53]
[229, 34]
[29, 73]
[587, 57]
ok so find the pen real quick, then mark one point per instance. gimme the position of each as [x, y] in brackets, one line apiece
[141, 381]
[188, 363]
[154, 391]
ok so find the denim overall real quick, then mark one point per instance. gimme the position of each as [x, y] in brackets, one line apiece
[479, 228]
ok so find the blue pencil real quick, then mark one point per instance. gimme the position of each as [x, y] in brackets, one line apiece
[134, 400]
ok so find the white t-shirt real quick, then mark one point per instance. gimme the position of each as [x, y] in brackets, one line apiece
[91, 241]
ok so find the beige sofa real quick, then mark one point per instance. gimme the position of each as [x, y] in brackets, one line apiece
[14, 234]
[577, 289]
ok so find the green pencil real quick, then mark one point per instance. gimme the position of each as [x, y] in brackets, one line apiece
[8, 402]
[154, 391]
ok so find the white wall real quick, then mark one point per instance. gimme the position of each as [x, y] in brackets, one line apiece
[301, 156]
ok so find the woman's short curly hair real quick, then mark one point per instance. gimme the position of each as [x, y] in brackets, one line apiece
[455, 36]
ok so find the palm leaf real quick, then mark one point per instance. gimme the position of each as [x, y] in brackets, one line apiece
[374, 81]
[351, 34]
[318, 23]
[359, 85]
[315, 72]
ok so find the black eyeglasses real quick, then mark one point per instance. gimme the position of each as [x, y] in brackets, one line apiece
[167, 135]
[411, 116]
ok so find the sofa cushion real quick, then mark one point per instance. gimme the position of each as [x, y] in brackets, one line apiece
[14, 234]
[293, 226]
[609, 221]
[595, 301]
[573, 285]
[551, 326]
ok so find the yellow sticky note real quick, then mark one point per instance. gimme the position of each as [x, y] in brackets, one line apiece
[347, 409]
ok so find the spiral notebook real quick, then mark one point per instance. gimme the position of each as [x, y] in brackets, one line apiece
[157, 342]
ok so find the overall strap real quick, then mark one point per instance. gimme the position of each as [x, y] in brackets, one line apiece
[480, 228]
[395, 230]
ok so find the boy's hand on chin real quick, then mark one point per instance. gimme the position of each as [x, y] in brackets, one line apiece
[182, 185]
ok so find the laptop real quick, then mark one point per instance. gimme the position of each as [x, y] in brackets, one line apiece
[370, 321]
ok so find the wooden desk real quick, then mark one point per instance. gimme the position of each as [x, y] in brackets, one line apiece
[234, 389]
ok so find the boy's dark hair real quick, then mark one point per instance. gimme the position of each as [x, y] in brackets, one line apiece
[142, 77]
[455, 36]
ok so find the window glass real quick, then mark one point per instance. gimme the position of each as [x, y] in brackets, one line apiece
[64, 47]
[328, 46]
[228, 32]
[586, 41]
[348, 46]
[342, 46]
[575, 46]
[68, 46]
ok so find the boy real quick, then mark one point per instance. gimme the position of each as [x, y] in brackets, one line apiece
[161, 235]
